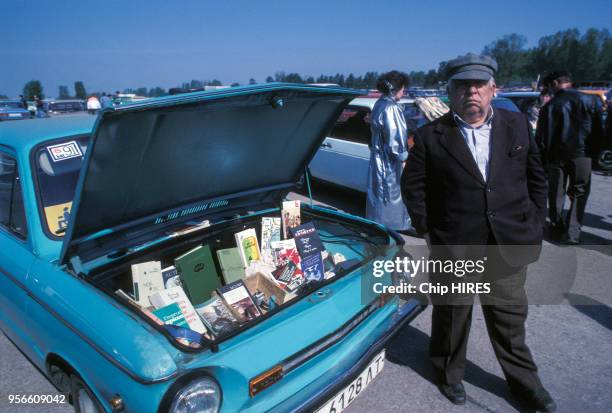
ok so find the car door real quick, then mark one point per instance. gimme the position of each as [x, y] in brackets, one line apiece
[344, 156]
[15, 254]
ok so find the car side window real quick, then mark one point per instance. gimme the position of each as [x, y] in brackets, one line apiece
[12, 211]
[353, 125]
[414, 118]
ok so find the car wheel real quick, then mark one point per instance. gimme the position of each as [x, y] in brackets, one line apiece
[83, 399]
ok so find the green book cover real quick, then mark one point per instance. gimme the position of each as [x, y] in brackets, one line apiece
[172, 314]
[231, 264]
[198, 274]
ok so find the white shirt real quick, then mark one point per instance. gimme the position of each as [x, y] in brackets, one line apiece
[478, 141]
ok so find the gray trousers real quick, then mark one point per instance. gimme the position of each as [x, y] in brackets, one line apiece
[505, 311]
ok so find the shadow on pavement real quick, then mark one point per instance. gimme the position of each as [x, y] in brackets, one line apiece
[596, 310]
[596, 221]
[409, 348]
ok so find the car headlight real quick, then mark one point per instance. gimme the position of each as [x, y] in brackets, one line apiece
[201, 395]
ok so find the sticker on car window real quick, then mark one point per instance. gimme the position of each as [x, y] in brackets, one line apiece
[64, 151]
[58, 217]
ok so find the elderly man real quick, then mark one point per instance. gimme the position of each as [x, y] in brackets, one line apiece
[474, 185]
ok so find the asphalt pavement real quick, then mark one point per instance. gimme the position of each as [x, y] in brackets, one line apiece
[572, 344]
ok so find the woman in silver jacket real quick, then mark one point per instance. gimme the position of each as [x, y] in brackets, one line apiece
[389, 151]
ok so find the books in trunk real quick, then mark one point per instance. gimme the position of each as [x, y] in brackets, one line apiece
[239, 301]
[172, 314]
[247, 244]
[198, 274]
[291, 217]
[288, 273]
[231, 264]
[310, 248]
[217, 317]
[146, 280]
[171, 277]
[176, 295]
[270, 231]
[307, 240]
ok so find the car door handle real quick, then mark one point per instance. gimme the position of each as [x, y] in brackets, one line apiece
[326, 145]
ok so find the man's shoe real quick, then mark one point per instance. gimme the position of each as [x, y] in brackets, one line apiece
[539, 400]
[454, 392]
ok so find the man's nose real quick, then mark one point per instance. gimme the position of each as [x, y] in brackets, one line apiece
[472, 89]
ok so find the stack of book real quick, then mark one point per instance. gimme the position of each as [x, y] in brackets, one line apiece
[257, 274]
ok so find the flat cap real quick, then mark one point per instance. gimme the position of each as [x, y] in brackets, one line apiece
[471, 66]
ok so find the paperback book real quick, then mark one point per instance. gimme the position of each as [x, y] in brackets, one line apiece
[307, 240]
[217, 317]
[291, 217]
[231, 264]
[270, 231]
[146, 280]
[171, 277]
[247, 244]
[176, 295]
[238, 299]
[285, 250]
[171, 314]
[288, 276]
[312, 267]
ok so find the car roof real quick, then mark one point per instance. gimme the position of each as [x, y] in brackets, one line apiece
[369, 102]
[518, 94]
[64, 100]
[24, 134]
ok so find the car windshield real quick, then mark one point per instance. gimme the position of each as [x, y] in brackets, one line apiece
[11, 105]
[58, 164]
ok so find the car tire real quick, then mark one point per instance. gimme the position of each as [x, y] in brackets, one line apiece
[83, 399]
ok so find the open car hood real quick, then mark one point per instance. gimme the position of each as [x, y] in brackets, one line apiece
[187, 156]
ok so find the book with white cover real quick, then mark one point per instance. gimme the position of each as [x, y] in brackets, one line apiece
[177, 295]
[270, 231]
[146, 280]
[248, 246]
[291, 216]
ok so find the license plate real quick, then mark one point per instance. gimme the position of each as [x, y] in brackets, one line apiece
[347, 395]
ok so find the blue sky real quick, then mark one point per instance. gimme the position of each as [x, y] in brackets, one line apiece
[111, 45]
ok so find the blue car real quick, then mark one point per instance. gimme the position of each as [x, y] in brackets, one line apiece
[83, 198]
[13, 110]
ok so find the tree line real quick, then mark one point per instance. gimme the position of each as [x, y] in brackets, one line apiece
[587, 56]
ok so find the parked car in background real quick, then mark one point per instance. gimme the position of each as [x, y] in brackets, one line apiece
[83, 198]
[344, 156]
[56, 107]
[13, 110]
[522, 100]
[504, 103]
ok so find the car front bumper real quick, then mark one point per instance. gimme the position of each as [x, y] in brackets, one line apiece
[405, 313]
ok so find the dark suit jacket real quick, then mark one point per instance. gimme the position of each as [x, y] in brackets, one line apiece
[447, 197]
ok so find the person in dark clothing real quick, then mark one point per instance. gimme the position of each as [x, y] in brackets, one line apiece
[24, 102]
[475, 187]
[567, 126]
